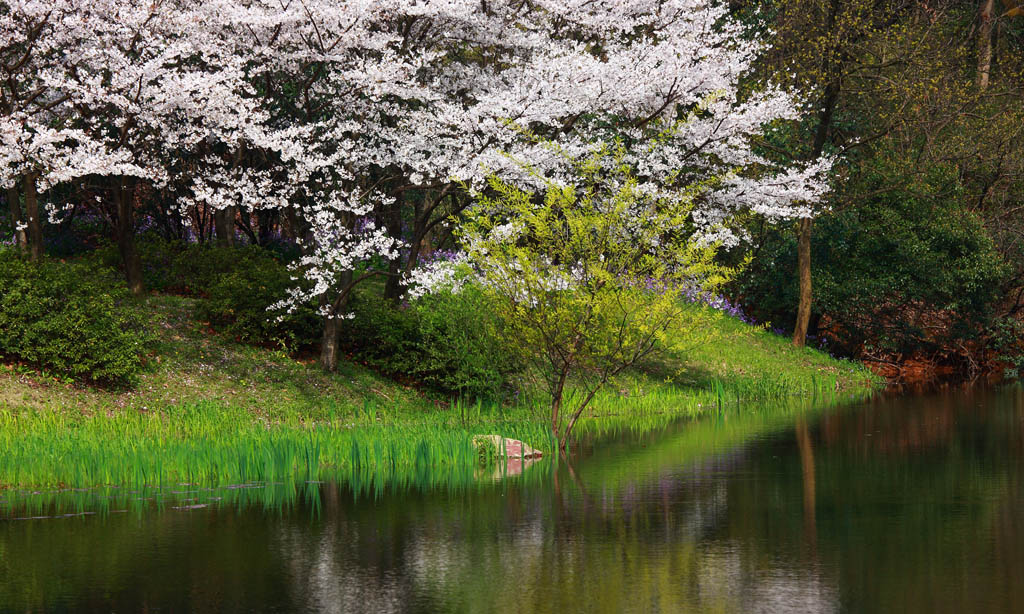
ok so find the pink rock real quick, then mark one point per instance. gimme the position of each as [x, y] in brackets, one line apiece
[513, 447]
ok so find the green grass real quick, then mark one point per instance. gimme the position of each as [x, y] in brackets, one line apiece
[211, 444]
[214, 412]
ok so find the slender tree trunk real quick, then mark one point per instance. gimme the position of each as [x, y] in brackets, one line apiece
[803, 314]
[14, 204]
[557, 394]
[985, 21]
[418, 248]
[35, 224]
[224, 223]
[124, 200]
[329, 344]
[393, 283]
[331, 339]
[576, 415]
[265, 219]
[556, 406]
[425, 245]
[199, 212]
[392, 286]
[421, 246]
[829, 100]
[297, 227]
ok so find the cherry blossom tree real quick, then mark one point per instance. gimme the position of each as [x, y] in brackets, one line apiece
[345, 114]
[153, 85]
[34, 36]
[399, 99]
[588, 268]
[124, 99]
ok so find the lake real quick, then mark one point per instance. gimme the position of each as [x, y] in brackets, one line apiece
[896, 504]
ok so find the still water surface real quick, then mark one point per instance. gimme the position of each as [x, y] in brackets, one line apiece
[912, 504]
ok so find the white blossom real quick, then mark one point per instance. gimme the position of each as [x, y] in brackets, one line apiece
[329, 109]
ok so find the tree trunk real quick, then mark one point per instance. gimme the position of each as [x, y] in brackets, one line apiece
[557, 394]
[556, 406]
[803, 314]
[392, 286]
[35, 224]
[393, 283]
[17, 220]
[224, 223]
[297, 227]
[265, 219]
[329, 344]
[576, 414]
[331, 339]
[985, 21]
[124, 200]
[829, 100]
[420, 248]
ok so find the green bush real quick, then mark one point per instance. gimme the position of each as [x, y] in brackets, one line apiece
[1005, 344]
[80, 235]
[73, 319]
[175, 266]
[236, 285]
[237, 300]
[447, 342]
[158, 256]
[184, 268]
[381, 335]
[199, 267]
[458, 345]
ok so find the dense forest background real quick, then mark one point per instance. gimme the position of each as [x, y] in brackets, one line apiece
[917, 253]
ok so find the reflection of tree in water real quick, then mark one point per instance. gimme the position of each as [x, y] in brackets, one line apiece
[809, 515]
[916, 502]
[643, 544]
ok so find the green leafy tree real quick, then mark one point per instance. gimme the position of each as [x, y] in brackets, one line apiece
[589, 278]
[819, 49]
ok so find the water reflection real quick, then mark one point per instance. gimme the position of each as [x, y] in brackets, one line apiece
[912, 504]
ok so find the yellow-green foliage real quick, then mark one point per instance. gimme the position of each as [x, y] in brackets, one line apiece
[588, 279]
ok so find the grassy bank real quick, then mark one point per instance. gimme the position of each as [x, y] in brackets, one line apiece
[212, 411]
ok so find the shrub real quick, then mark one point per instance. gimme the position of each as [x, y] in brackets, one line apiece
[447, 342]
[73, 319]
[158, 256]
[382, 336]
[237, 285]
[458, 345]
[79, 235]
[178, 267]
[199, 267]
[237, 303]
[1006, 345]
